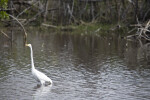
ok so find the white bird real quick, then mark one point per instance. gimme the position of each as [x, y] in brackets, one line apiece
[39, 76]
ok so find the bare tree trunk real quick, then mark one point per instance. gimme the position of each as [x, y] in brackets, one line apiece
[92, 11]
[46, 9]
[117, 10]
[136, 9]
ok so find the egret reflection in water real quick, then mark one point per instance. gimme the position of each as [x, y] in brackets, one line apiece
[41, 92]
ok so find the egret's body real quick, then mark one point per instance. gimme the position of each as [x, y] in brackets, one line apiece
[39, 76]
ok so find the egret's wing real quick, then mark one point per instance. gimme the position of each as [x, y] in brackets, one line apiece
[42, 76]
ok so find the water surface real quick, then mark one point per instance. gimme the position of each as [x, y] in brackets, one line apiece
[82, 67]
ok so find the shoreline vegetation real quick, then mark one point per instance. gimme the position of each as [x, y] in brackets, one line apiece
[82, 16]
[89, 28]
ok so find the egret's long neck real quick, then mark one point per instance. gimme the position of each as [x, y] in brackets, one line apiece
[32, 62]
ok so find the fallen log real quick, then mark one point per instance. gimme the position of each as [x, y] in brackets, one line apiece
[64, 28]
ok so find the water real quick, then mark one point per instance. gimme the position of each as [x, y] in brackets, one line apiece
[82, 68]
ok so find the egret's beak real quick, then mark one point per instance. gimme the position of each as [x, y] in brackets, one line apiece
[26, 45]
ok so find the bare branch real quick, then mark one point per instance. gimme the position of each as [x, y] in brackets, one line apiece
[25, 34]
[26, 10]
[5, 34]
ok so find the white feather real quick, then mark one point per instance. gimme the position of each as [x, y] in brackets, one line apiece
[39, 76]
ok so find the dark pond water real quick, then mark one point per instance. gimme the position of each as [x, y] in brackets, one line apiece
[82, 67]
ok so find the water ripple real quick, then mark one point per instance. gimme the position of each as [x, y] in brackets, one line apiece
[79, 70]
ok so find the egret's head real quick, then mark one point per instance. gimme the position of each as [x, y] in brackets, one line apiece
[29, 45]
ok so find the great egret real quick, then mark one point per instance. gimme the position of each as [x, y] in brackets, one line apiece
[39, 76]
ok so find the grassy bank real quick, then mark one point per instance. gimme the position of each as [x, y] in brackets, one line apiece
[91, 28]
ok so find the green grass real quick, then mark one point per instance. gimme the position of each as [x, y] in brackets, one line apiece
[100, 29]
